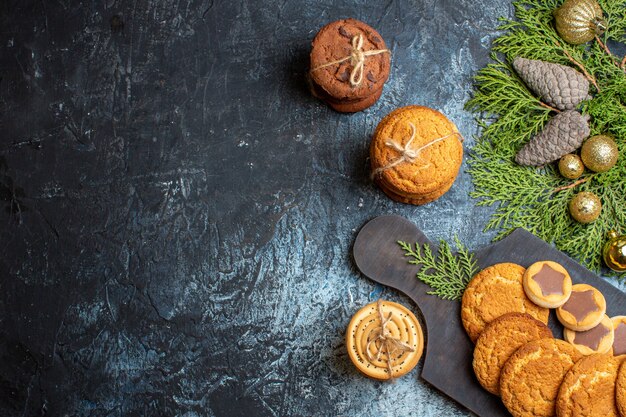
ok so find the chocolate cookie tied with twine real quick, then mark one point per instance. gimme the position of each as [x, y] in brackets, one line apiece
[415, 154]
[384, 340]
[350, 63]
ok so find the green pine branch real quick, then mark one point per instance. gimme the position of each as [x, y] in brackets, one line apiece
[510, 115]
[447, 274]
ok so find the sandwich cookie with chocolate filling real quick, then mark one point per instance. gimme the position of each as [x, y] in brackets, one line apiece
[350, 63]
[619, 340]
[584, 309]
[495, 291]
[588, 388]
[415, 154]
[547, 284]
[596, 340]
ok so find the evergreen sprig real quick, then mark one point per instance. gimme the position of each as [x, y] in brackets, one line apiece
[447, 273]
[536, 198]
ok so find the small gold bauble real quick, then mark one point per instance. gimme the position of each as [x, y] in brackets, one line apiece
[571, 166]
[585, 207]
[614, 252]
[579, 21]
[599, 153]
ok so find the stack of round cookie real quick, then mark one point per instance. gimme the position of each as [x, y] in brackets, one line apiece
[415, 154]
[350, 64]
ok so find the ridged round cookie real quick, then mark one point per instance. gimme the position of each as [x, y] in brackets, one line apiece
[334, 42]
[367, 352]
[547, 284]
[530, 379]
[597, 340]
[588, 389]
[495, 291]
[620, 389]
[619, 336]
[432, 168]
[500, 339]
[584, 309]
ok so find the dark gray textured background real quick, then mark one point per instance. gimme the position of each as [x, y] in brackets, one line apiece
[178, 212]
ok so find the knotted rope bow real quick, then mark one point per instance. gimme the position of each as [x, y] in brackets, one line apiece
[406, 153]
[387, 341]
[357, 59]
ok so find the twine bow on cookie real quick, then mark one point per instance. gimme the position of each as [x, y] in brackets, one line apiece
[388, 343]
[407, 154]
[357, 59]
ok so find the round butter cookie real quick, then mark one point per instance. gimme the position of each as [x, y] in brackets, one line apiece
[620, 389]
[619, 339]
[495, 291]
[416, 153]
[547, 284]
[588, 389]
[530, 379]
[375, 347]
[500, 339]
[584, 309]
[596, 340]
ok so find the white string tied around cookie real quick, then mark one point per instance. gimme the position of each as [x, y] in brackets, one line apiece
[407, 154]
[357, 60]
[391, 344]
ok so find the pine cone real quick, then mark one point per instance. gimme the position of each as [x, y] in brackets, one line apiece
[557, 85]
[563, 134]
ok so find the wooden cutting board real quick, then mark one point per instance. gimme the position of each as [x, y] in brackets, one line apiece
[448, 357]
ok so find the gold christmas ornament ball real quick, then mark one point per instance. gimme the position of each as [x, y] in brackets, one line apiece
[579, 21]
[585, 207]
[614, 252]
[571, 166]
[599, 153]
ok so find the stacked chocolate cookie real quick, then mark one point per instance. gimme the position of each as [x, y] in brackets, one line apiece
[350, 64]
[415, 154]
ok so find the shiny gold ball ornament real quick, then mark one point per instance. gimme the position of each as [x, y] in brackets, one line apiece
[614, 252]
[579, 21]
[571, 166]
[585, 207]
[599, 153]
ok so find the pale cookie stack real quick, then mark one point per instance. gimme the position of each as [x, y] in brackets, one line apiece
[384, 340]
